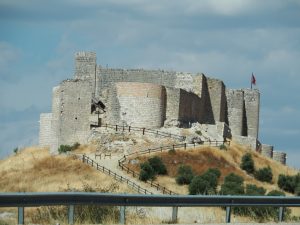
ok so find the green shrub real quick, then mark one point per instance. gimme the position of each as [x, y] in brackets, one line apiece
[16, 150]
[223, 147]
[198, 132]
[214, 171]
[233, 185]
[287, 183]
[172, 151]
[68, 148]
[252, 189]
[184, 175]
[206, 183]
[64, 149]
[276, 193]
[297, 190]
[147, 172]
[158, 166]
[247, 163]
[199, 186]
[265, 174]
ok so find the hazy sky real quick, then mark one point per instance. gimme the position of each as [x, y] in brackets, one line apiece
[223, 39]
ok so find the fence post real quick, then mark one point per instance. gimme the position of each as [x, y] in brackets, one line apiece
[143, 131]
[129, 129]
[71, 214]
[122, 215]
[228, 214]
[281, 214]
[174, 214]
[184, 145]
[20, 215]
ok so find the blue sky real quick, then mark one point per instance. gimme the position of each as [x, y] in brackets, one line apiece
[224, 39]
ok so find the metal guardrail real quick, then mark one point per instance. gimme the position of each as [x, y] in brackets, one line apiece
[72, 199]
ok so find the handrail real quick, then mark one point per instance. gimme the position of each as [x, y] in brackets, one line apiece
[71, 199]
[136, 187]
[144, 131]
[158, 149]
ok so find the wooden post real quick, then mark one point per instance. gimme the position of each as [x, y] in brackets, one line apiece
[129, 129]
[116, 127]
[143, 131]
[184, 145]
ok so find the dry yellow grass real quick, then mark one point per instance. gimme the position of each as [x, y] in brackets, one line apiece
[35, 170]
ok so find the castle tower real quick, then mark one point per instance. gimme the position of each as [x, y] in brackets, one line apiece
[85, 65]
[252, 99]
[235, 107]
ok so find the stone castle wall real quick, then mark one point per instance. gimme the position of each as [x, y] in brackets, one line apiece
[235, 106]
[45, 136]
[252, 99]
[147, 98]
[141, 104]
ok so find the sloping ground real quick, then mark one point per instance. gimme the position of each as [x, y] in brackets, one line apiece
[34, 170]
[203, 158]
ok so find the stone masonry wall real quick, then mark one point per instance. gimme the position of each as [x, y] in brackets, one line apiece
[45, 138]
[217, 99]
[141, 104]
[85, 65]
[252, 99]
[235, 110]
[55, 122]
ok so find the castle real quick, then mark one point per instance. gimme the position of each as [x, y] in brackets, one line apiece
[146, 98]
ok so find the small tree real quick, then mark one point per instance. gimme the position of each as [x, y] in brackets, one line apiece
[199, 186]
[206, 183]
[233, 185]
[247, 163]
[147, 172]
[286, 183]
[265, 174]
[157, 164]
[184, 174]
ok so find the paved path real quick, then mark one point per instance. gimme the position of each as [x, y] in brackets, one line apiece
[111, 163]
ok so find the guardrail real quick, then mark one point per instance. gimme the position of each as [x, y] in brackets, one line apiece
[134, 186]
[163, 189]
[71, 199]
[144, 131]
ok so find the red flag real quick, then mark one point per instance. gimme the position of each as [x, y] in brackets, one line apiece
[253, 80]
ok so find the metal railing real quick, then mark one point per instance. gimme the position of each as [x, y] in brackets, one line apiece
[134, 186]
[156, 185]
[126, 128]
[71, 199]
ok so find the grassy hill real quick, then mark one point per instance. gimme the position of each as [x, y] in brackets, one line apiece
[227, 161]
[35, 170]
